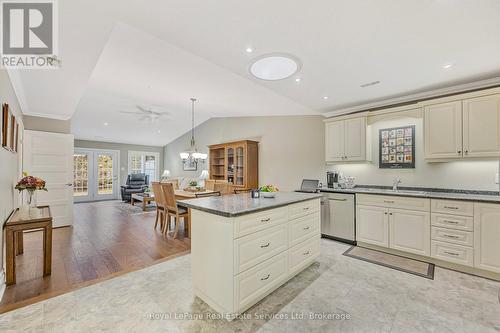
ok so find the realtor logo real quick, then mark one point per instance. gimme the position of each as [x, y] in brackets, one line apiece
[29, 34]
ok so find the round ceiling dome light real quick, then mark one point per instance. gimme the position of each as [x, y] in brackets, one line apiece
[274, 67]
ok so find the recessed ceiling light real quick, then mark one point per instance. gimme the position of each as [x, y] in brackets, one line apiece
[325, 97]
[106, 124]
[249, 49]
[159, 131]
[274, 67]
[447, 66]
[298, 79]
[369, 84]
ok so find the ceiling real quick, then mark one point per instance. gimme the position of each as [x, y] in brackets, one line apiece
[159, 53]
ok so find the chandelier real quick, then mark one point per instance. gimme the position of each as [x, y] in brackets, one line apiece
[192, 153]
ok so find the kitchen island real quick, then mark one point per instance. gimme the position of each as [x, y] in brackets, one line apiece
[242, 248]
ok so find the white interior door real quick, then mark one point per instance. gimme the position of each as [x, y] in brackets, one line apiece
[95, 175]
[50, 157]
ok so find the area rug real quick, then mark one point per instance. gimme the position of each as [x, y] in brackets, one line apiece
[127, 208]
[416, 267]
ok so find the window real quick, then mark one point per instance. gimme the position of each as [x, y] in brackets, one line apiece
[144, 162]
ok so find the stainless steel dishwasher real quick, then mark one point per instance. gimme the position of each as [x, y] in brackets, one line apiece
[337, 217]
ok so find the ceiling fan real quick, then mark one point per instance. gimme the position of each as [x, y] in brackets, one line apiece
[147, 114]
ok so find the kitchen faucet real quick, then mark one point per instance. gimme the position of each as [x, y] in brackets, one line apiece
[395, 184]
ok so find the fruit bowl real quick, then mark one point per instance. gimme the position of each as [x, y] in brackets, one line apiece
[268, 194]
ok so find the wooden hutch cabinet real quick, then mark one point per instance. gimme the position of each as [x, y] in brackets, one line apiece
[237, 162]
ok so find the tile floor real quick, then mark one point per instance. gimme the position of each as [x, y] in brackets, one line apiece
[372, 297]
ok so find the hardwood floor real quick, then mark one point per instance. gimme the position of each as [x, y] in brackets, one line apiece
[108, 238]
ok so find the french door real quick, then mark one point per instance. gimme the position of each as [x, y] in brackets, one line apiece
[95, 174]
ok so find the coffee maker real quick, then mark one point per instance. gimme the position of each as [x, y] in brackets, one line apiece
[332, 179]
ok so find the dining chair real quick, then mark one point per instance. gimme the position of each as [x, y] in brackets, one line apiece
[174, 182]
[174, 211]
[160, 204]
[208, 194]
[209, 184]
[242, 190]
[224, 188]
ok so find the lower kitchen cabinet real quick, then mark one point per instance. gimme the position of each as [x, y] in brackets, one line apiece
[372, 224]
[487, 237]
[410, 231]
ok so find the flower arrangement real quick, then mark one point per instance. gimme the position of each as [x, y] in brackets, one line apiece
[30, 184]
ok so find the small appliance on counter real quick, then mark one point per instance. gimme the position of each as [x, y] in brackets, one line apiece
[309, 186]
[332, 179]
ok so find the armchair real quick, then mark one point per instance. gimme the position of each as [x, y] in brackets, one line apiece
[136, 183]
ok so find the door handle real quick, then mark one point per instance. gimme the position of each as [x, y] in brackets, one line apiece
[69, 184]
[337, 199]
[263, 246]
[265, 278]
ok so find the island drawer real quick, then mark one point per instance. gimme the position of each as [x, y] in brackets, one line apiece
[253, 249]
[393, 201]
[258, 281]
[303, 253]
[460, 237]
[303, 208]
[303, 228]
[454, 207]
[247, 224]
[452, 221]
[458, 254]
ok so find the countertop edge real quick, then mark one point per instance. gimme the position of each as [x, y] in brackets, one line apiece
[429, 195]
[227, 214]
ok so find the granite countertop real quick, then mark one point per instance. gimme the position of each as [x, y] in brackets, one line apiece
[241, 204]
[433, 193]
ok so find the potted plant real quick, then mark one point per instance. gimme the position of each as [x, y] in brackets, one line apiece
[31, 184]
[268, 191]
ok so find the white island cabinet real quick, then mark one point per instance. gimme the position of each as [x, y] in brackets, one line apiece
[242, 249]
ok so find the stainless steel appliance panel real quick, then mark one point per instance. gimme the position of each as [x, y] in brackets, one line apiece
[337, 216]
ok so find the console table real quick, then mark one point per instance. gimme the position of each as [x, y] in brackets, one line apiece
[41, 218]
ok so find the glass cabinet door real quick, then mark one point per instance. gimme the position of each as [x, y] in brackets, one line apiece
[230, 164]
[239, 165]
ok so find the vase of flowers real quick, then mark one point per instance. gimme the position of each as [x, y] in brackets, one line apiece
[31, 185]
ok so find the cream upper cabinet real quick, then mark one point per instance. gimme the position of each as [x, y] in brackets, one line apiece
[345, 140]
[481, 126]
[372, 225]
[443, 130]
[410, 231]
[487, 237]
[334, 141]
[355, 139]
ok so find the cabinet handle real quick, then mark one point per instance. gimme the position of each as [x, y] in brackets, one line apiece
[385, 213]
[451, 253]
[448, 221]
[263, 246]
[337, 199]
[306, 228]
[459, 152]
[466, 152]
[265, 278]
[390, 213]
[306, 253]
[266, 220]
[305, 208]
[450, 236]
[450, 207]
[388, 201]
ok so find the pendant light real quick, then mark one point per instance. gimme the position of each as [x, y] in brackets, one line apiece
[192, 153]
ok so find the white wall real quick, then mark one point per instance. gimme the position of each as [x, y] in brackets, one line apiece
[290, 147]
[474, 175]
[10, 163]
